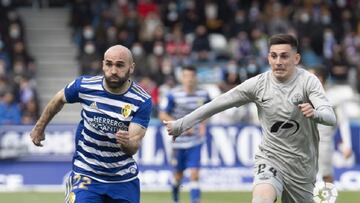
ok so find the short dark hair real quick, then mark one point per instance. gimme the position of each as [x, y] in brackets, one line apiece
[284, 39]
[189, 68]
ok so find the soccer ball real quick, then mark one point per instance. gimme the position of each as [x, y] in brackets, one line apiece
[325, 193]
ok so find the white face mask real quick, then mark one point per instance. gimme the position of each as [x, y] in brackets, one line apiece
[88, 33]
[211, 11]
[304, 17]
[251, 68]
[89, 48]
[137, 50]
[328, 35]
[14, 31]
[158, 50]
[326, 19]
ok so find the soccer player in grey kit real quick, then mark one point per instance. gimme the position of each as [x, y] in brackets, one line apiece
[290, 101]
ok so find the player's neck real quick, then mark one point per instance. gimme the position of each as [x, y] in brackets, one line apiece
[189, 90]
[119, 90]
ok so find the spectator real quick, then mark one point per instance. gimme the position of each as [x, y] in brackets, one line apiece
[10, 112]
[90, 60]
[201, 44]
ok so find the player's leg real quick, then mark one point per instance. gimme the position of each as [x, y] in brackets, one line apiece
[193, 163]
[175, 185]
[81, 189]
[125, 192]
[326, 150]
[297, 192]
[178, 163]
[264, 193]
[268, 184]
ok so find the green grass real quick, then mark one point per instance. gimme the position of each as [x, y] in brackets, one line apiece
[156, 197]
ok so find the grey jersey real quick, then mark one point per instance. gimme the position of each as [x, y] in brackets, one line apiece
[290, 140]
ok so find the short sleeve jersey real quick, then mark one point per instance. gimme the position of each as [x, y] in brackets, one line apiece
[97, 153]
[179, 103]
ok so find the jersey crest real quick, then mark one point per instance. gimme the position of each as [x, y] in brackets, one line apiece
[126, 110]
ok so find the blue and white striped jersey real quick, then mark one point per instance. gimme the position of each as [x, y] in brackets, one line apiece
[97, 154]
[177, 104]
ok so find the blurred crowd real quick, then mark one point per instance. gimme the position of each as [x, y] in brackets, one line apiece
[18, 97]
[225, 39]
[220, 37]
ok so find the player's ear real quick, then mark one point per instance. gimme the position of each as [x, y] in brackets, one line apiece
[297, 58]
[132, 67]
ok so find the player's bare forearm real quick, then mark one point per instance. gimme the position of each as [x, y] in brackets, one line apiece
[52, 108]
[130, 140]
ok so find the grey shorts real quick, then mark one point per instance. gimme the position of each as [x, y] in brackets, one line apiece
[265, 173]
[289, 191]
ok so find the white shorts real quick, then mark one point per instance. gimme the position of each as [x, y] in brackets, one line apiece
[326, 151]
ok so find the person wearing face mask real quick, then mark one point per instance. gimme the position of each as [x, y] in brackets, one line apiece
[89, 60]
[88, 34]
[115, 115]
[290, 102]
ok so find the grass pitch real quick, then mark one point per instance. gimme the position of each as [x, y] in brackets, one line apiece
[156, 197]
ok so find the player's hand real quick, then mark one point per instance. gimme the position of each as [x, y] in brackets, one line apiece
[122, 137]
[37, 136]
[347, 152]
[170, 129]
[307, 110]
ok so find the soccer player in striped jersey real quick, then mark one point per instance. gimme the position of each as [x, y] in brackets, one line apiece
[291, 102]
[115, 115]
[179, 102]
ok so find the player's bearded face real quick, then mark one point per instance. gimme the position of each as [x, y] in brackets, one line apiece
[116, 80]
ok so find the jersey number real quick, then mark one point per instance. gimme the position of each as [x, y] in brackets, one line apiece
[262, 168]
[80, 182]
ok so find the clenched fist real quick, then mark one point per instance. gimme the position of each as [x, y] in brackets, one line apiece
[307, 110]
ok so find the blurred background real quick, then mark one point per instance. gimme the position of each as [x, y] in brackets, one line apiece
[45, 44]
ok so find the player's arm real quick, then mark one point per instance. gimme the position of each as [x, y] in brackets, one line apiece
[52, 108]
[324, 114]
[320, 109]
[345, 132]
[237, 96]
[130, 140]
[202, 128]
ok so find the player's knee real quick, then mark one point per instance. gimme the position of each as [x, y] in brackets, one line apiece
[262, 200]
[194, 174]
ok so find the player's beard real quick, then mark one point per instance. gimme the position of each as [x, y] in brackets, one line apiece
[117, 82]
